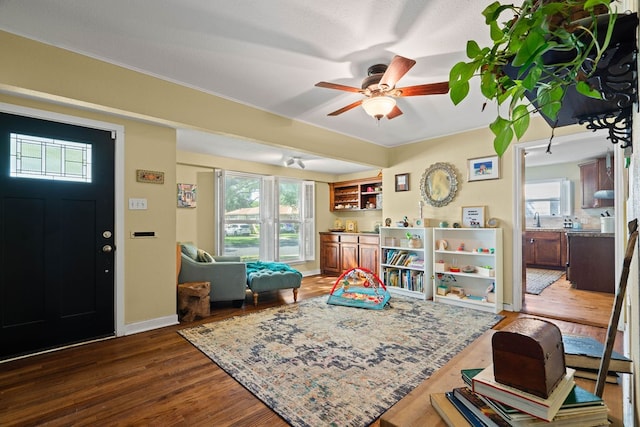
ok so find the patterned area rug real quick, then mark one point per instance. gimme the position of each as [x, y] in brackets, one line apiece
[317, 364]
[539, 279]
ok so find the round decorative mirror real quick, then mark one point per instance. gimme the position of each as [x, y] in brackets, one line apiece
[439, 184]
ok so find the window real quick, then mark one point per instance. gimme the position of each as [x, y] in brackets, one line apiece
[47, 158]
[548, 198]
[265, 218]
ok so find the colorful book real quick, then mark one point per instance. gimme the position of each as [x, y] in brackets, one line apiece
[466, 413]
[586, 352]
[484, 383]
[449, 413]
[479, 407]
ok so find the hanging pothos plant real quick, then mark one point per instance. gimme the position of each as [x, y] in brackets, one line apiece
[543, 48]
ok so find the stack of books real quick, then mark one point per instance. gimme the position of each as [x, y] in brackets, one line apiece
[585, 353]
[485, 402]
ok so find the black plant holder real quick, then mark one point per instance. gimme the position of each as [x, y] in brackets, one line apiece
[616, 78]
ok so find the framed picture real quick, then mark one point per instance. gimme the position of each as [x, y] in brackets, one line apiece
[187, 195]
[473, 216]
[402, 182]
[351, 226]
[483, 168]
[152, 177]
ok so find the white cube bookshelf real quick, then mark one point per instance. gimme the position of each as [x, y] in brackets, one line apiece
[406, 263]
[467, 262]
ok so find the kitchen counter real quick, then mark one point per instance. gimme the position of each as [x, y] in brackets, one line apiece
[591, 261]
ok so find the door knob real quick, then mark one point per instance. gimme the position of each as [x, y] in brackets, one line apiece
[107, 248]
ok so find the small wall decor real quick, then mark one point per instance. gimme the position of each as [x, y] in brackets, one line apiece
[473, 216]
[402, 182]
[187, 195]
[153, 177]
[483, 168]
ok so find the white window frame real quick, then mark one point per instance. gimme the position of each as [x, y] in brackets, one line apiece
[269, 216]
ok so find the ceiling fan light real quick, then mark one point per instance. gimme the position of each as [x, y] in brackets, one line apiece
[378, 106]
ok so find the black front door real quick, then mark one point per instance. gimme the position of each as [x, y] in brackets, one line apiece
[56, 234]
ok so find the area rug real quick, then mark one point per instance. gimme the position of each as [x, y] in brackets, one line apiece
[538, 279]
[317, 364]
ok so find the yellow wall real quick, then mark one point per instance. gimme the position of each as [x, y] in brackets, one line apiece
[122, 96]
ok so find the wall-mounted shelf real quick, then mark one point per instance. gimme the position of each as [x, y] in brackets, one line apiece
[356, 195]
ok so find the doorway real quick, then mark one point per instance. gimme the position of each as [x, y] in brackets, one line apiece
[57, 236]
[560, 300]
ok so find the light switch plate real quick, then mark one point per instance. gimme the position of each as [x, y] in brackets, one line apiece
[137, 204]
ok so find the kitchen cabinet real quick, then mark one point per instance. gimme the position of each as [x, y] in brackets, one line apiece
[594, 176]
[359, 194]
[545, 249]
[592, 261]
[341, 251]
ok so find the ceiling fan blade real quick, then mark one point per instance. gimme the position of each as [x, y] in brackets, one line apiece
[426, 89]
[347, 108]
[338, 87]
[398, 68]
[394, 113]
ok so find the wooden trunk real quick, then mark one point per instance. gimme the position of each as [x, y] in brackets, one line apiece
[529, 355]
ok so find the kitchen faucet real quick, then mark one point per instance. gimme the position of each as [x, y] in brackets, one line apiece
[536, 218]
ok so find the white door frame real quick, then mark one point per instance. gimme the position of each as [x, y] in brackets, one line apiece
[118, 130]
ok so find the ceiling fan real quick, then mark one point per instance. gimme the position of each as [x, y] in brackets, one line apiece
[380, 90]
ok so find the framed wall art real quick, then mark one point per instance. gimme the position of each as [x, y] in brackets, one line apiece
[483, 168]
[187, 195]
[473, 216]
[153, 177]
[402, 182]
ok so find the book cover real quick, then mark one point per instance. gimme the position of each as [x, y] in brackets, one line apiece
[466, 413]
[449, 413]
[479, 407]
[586, 352]
[484, 383]
[592, 374]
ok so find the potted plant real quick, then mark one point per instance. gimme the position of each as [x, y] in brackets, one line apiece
[545, 47]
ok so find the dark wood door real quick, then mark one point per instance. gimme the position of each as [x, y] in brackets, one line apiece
[348, 256]
[56, 234]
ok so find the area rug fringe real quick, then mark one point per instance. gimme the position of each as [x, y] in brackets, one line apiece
[325, 365]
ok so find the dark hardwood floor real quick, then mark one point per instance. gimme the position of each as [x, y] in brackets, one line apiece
[158, 378]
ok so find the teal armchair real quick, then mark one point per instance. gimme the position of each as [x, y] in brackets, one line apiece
[226, 274]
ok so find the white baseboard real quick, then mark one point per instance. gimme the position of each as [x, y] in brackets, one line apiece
[310, 273]
[147, 325]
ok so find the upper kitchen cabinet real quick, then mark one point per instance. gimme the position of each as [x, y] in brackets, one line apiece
[358, 194]
[597, 176]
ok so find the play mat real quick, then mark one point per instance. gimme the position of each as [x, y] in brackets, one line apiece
[359, 287]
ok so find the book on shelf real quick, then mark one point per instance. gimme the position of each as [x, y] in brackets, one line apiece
[484, 383]
[586, 352]
[485, 413]
[447, 411]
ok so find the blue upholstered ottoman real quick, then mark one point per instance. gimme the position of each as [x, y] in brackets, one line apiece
[271, 276]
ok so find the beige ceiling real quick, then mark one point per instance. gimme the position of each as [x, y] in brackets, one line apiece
[270, 53]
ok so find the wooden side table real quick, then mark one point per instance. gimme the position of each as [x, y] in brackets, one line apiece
[193, 300]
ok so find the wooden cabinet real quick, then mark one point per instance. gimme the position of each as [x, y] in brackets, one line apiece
[545, 249]
[594, 176]
[591, 261]
[368, 252]
[359, 194]
[342, 251]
